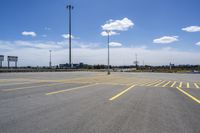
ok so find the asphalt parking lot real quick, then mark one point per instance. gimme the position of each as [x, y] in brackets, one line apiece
[92, 102]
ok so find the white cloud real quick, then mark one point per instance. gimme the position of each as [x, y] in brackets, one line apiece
[37, 53]
[192, 29]
[104, 33]
[166, 39]
[29, 33]
[198, 43]
[66, 36]
[30, 44]
[115, 44]
[118, 25]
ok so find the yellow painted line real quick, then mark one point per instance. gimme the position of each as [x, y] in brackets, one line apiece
[121, 93]
[166, 84]
[22, 83]
[188, 85]
[112, 84]
[71, 89]
[155, 82]
[6, 80]
[21, 88]
[80, 78]
[181, 84]
[159, 83]
[144, 83]
[173, 84]
[196, 85]
[189, 95]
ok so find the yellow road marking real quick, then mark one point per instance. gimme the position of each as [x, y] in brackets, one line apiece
[121, 93]
[173, 84]
[108, 83]
[71, 89]
[189, 95]
[159, 83]
[181, 84]
[153, 83]
[196, 85]
[148, 83]
[144, 83]
[21, 88]
[166, 84]
[81, 78]
[22, 83]
[188, 85]
[11, 80]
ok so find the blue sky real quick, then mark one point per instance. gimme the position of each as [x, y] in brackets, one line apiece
[152, 19]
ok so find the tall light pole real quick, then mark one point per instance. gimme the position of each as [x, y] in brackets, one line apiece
[136, 61]
[70, 8]
[50, 58]
[108, 33]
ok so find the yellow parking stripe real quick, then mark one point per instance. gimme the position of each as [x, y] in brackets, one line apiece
[71, 89]
[144, 83]
[22, 88]
[188, 85]
[196, 85]
[181, 84]
[166, 84]
[189, 95]
[155, 82]
[159, 83]
[121, 93]
[173, 84]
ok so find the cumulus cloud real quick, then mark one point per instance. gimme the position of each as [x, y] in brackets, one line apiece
[66, 36]
[118, 25]
[198, 43]
[115, 44]
[111, 33]
[192, 29]
[166, 39]
[29, 33]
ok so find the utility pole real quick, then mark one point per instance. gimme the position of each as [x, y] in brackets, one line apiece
[70, 8]
[108, 33]
[50, 58]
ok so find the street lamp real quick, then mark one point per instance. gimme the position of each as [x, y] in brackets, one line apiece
[50, 58]
[108, 33]
[70, 8]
